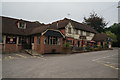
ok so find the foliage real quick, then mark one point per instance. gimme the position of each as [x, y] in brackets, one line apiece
[112, 36]
[106, 45]
[95, 22]
[115, 28]
[99, 46]
[67, 45]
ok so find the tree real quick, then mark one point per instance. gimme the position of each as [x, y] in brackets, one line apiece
[112, 36]
[115, 28]
[95, 22]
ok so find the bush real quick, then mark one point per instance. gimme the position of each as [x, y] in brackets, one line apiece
[67, 45]
[106, 45]
[88, 48]
[99, 46]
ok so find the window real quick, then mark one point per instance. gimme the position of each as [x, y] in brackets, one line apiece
[76, 31]
[69, 30]
[38, 39]
[69, 41]
[81, 32]
[52, 40]
[87, 33]
[20, 40]
[82, 37]
[22, 25]
[11, 39]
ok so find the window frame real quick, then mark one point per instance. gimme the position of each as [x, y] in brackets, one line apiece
[69, 30]
[52, 40]
[12, 40]
[22, 23]
[77, 32]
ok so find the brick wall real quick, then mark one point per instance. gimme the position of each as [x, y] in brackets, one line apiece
[45, 48]
[10, 48]
[39, 47]
[52, 48]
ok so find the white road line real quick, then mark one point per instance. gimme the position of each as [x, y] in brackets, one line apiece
[21, 56]
[106, 63]
[104, 57]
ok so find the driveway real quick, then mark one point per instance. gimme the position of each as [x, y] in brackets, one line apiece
[100, 64]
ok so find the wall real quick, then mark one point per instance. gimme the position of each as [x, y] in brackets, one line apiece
[10, 47]
[52, 48]
[76, 36]
[45, 48]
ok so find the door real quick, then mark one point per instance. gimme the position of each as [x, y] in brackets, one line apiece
[78, 43]
[26, 43]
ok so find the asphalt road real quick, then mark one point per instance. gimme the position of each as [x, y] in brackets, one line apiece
[100, 64]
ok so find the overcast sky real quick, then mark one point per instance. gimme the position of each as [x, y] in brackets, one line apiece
[47, 12]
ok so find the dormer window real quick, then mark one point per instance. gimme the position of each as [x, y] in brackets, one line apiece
[22, 25]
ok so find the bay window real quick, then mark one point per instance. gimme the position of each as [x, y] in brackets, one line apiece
[52, 40]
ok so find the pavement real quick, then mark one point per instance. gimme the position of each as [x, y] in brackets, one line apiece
[98, 64]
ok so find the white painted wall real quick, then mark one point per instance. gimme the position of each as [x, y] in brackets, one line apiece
[76, 36]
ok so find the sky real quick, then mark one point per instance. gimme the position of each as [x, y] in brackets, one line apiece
[48, 12]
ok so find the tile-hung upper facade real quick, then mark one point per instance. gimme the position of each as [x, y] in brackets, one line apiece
[20, 34]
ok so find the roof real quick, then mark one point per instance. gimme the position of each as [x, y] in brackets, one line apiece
[9, 26]
[38, 30]
[63, 23]
[100, 37]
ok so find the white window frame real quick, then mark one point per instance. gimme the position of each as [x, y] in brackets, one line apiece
[20, 26]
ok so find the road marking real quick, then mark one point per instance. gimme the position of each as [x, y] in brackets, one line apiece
[108, 65]
[104, 57]
[108, 62]
[21, 56]
[9, 57]
[112, 66]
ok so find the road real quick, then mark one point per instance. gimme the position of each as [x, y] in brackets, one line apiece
[100, 64]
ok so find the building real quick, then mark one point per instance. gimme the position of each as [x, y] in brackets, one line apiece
[77, 34]
[18, 34]
[102, 40]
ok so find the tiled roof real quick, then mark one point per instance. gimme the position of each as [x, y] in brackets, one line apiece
[100, 37]
[9, 26]
[63, 23]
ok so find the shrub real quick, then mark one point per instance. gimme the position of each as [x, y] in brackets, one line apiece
[67, 45]
[99, 46]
